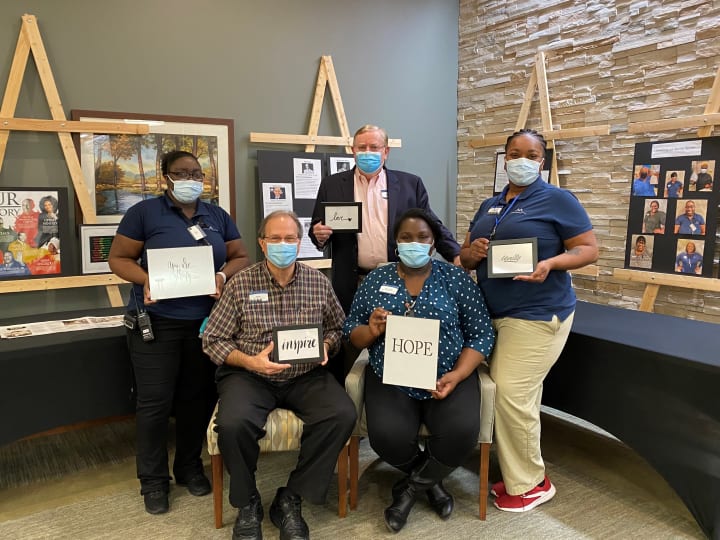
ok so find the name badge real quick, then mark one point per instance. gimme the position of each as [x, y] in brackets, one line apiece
[196, 232]
[495, 210]
[693, 228]
[383, 193]
[258, 296]
[388, 289]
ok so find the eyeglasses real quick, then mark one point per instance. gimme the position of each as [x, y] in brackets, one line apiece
[278, 239]
[184, 175]
[369, 148]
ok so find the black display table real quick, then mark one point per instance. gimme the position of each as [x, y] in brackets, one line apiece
[62, 379]
[653, 381]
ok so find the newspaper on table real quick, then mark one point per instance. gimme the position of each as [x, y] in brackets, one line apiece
[65, 325]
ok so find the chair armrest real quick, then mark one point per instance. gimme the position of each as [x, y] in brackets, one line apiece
[355, 382]
[487, 403]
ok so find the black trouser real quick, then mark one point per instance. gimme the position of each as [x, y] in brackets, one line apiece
[246, 400]
[172, 376]
[394, 418]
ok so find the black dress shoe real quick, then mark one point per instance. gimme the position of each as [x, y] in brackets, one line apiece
[440, 500]
[156, 502]
[286, 515]
[248, 523]
[197, 484]
[404, 496]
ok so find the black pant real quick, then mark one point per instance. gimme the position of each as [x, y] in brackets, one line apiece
[394, 418]
[172, 376]
[247, 399]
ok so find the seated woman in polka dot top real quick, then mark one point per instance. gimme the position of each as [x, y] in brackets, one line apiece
[420, 286]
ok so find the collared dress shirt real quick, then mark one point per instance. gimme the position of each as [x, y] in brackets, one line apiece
[372, 241]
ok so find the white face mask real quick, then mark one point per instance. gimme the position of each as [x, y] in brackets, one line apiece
[522, 171]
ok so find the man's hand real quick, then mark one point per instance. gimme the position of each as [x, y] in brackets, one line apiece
[261, 362]
[322, 232]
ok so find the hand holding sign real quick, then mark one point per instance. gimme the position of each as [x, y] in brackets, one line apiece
[261, 363]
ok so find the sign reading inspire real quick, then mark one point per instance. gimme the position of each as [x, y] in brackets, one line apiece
[298, 344]
[411, 352]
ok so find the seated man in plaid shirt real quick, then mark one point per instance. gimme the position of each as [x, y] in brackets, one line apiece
[276, 292]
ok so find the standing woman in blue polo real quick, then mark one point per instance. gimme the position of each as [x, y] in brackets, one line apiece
[172, 374]
[532, 314]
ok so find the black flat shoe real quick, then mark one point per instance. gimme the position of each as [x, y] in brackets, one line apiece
[156, 502]
[197, 484]
[440, 500]
[248, 523]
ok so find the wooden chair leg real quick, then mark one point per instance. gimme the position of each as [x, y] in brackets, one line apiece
[354, 460]
[484, 472]
[342, 472]
[216, 462]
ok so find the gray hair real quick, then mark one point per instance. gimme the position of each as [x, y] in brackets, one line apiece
[370, 127]
[277, 214]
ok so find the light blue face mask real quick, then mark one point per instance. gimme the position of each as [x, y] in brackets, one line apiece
[522, 171]
[414, 254]
[281, 254]
[187, 191]
[368, 162]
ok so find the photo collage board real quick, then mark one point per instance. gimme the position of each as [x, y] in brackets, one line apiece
[290, 181]
[673, 212]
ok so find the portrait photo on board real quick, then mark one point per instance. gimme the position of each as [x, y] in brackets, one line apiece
[641, 251]
[702, 176]
[645, 180]
[674, 184]
[689, 256]
[655, 216]
[690, 217]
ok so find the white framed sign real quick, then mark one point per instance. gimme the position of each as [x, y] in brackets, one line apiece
[411, 352]
[180, 272]
[298, 343]
[343, 216]
[508, 258]
[95, 242]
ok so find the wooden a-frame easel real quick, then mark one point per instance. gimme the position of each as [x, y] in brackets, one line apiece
[326, 77]
[538, 80]
[705, 122]
[30, 41]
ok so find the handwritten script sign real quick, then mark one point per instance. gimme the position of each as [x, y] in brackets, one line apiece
[343, 217]
[508, 258]
[411, 352]
[298, 344]
[180, 272]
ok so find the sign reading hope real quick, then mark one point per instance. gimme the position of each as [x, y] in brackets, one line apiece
[411, 352]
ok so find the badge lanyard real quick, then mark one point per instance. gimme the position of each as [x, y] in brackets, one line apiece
[499, 218]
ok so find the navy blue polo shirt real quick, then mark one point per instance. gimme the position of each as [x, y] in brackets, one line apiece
[159, 224]
[550, 214]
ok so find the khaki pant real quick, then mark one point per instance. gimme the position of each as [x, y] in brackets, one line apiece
[523, 355]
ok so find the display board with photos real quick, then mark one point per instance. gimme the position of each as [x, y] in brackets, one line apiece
[290, 181]
[673, 212]
[35, 237]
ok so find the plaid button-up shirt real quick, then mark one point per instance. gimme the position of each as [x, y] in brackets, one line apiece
[253, 304]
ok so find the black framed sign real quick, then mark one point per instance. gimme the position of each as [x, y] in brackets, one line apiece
[509, 258]
[343, 217]
[298, 344]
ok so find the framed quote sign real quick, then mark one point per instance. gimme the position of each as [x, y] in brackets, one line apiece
[295, 344]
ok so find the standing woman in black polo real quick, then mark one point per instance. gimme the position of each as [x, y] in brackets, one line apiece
[172, 374]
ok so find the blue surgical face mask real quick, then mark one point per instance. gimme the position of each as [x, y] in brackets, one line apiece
[368, 162]
[281, 254]
[187, 191]
[414, 254]
[522, 171]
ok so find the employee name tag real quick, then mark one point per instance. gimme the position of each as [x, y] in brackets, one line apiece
[258, 296]
[495, 210]
[383, 193]
[693, 228]
[196, 232]
[388, 289]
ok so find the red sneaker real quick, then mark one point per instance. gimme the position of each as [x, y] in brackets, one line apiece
[498, 489]
[527, 501]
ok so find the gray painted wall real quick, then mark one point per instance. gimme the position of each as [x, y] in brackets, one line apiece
[253, 61]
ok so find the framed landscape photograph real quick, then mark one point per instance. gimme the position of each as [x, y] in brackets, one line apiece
[121, 170]
[95, 242]
[35, 237]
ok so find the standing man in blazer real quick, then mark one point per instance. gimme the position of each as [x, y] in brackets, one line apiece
[385, 195]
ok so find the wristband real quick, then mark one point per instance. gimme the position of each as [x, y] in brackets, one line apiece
[222, 275]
